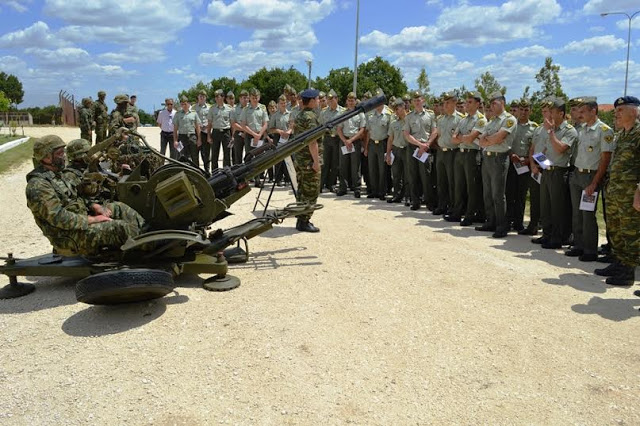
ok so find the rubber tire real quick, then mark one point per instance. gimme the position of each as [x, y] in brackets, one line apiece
[124, 286]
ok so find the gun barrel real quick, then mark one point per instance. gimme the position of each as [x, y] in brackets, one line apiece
[252, 168]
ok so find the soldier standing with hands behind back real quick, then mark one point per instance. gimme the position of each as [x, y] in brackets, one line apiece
[186, 129]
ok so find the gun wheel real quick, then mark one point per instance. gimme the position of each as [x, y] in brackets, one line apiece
[124, 286]
[221, 283]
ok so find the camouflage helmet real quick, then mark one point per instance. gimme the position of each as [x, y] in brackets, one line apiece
[77, 148]
[102, 94]
[121, 99]
[86, 102]
[45, 146]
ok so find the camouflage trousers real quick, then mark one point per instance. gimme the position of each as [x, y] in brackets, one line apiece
[101, 133]
[623, 222]
[308, 182]
[126, 223]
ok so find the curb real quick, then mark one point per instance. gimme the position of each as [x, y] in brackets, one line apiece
[12, 144]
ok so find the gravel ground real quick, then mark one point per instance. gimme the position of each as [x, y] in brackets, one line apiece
[387, 316]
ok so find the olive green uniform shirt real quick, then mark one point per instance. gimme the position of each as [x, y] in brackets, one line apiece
[378, 125]
[446, 125]
[467, 125]
[568, 135]
[329, 114]
[592, 141]
[220, 117]
[419, 124]
[203, 112]
[523, 138]
[353, 125]
[186, 122]
[506, 122]
[254, 118]
[396, 128]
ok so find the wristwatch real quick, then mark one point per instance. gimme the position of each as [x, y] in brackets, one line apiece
[549, 131]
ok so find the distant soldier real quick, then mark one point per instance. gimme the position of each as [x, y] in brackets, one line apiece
[122, 116]
[72, 225]
[101, 117]
[86, 119]
[186, 130]
[378, 130]
[308, 160]
[219, 130]
[202, 109]
[279, 128]
[236, 126]
[255, 121]
[132, 108]
[350, 133]
[397, 145]
[331, 143]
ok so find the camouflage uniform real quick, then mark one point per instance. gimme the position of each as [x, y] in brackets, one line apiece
[63, 216]
[86, 122]
[623, 221]
[308, 179]
[101, 117]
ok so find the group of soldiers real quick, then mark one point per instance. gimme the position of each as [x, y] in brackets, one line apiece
[94, 116]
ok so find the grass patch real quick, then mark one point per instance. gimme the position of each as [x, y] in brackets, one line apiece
[16, 156]
[6, 138]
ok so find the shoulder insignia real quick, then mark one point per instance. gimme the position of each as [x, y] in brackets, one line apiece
[569, 126]
[604, 128]
[480, 115]
[430, 110]
[481, 123]
[509, 123]
[534, 124]
[608, 138]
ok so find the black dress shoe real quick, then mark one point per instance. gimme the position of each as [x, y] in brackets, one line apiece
[540, 240]
[258, 184]
[371, 196]
[394, 200]
[499, 234]
[356, 194]
[466, 222]
[451, 218]
[486, 228]
[382, 198]
[588, 257]
[607, 258]
[415, 206]
[439, 211]
[550, 245]
[574, 252]
[341, 193]
[609, 271]
[624, 278]
[518, 228]
[636, 293]
[528, 231]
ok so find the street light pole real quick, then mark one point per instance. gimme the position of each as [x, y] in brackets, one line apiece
[308, 61]
[630, 18]
[355, 65]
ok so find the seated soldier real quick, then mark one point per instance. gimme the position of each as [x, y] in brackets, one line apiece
[72, 225]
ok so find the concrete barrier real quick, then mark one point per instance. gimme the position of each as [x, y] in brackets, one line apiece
[9, 145]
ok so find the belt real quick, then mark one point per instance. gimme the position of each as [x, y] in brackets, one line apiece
[163, 131]
[551, 168]
[221, 130]
[378, 141]
[490, 153]
[448, 149]
[467, 150]
[585, 170]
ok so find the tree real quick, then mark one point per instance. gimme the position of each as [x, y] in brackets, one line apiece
[271, 82]
[423, 81]
[380, 74]
[146, 118]
[225, 83]
[486, 84]
[549, 80]
[192, 92]
[12, 88]
[341, 81]
[4, 102]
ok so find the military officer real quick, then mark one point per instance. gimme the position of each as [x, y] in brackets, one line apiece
[219, 130]
[592, 156]
[417, 128]
[308, 160]
[86, 119]
[496, 141]
[350, 133]
[397, 153]
[623, 216]
[201, 108]
[468, 182]
[101, 117]
[73, 226]
[553, 186]
[377, 130]
[518, 182]
[445, 127]
[186, 129]
[331, 143]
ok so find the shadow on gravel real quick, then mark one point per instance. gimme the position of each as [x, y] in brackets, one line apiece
[581, 282]
[276, 259]
[105, 320]
[611, 309]
[50, 292]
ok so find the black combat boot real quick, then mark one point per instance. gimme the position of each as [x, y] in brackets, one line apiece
[609, 271]
[306, 226]
[624, 277]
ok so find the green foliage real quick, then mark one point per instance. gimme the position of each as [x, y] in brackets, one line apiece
[380, 74]
[44, 115]
[146, 118]
[340, 80]
[486, 84]
[13, 127]
[16, 156]
[224, 83]
[192, 92]
[12, 88]
[607, 117]
[549, 80]
[423, 81]
[4, 102]
[271, 82]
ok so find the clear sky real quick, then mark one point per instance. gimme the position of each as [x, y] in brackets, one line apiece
[156, 48]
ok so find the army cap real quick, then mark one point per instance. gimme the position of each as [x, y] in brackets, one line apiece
[514, 104]
[102, 94]
[416, 94]
[366, 95]
[254, 92]
[202, 92]
[448, 95]
[627, 100]
[309, 94]
[322, 94]
[332, 94]
[496, 95]
[218, 92]
[230, 94]
[524, 103]
[475, 95]
[183, 98]
[77, 148]
[244, 92]
[398, 102]
[406, 97]
[558, 103]
[86, 101]
[44, 146]
[351, 95]
[121, 99]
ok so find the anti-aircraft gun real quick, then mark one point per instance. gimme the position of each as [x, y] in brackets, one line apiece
[179, 203]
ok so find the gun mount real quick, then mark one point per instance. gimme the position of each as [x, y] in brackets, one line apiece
[178, 202]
